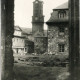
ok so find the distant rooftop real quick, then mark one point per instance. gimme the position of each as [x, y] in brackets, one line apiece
[62, 6]
[26, 30]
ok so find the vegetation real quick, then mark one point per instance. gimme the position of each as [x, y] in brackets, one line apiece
[45, 60]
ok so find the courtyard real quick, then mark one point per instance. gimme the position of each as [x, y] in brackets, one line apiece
[24, 72]
[39, 67]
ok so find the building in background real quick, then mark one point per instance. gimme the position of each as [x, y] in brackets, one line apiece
[38, 18]
[55, 40]
[58, 32]
[39, 34]
[40, 45]
[27, 32]
[21, 44]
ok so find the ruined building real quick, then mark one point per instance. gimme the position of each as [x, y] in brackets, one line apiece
[58, 32]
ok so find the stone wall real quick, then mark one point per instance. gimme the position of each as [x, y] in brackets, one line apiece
[37, 28]
[41, 45]
[74, 39]
[7, 29]
[55, 38]
[30, 46]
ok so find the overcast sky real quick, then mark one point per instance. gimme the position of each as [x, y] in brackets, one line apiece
[24, 11]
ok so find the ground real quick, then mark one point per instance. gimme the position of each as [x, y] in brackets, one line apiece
[24, 69]
[24, 72]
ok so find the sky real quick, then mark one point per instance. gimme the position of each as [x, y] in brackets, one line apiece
[23, 11]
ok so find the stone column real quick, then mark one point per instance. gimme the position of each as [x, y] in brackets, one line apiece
[74, 38]
[2, 39]
[7, 29]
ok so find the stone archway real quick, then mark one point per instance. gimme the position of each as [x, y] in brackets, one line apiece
[7, 29]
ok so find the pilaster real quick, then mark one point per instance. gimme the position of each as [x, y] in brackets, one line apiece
[74, 38]
[7, 29]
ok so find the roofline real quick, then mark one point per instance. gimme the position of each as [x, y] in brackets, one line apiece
[29, 40]
[24, 33]
[19, 36]
[57, 23]
[62, 9]
[18, 27]
[40, 37]
[38, 1]
[37, 22]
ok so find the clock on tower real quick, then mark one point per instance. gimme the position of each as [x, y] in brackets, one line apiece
[36, 18]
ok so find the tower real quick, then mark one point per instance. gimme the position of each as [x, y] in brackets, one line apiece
[38, 18]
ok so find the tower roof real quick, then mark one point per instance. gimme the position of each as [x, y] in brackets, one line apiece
[63, 6]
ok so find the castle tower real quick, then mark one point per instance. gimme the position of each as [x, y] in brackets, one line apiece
[38, 18]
